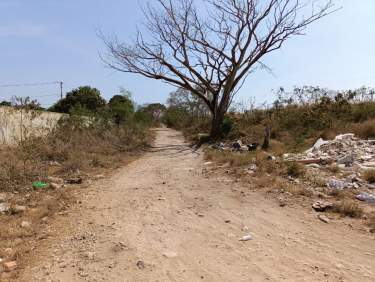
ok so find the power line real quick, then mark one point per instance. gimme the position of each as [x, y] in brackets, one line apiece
[32, 96]
[30, 84]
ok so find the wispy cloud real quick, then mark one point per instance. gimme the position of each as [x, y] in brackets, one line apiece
[23, 30]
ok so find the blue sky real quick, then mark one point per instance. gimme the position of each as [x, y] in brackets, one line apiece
[53, 40]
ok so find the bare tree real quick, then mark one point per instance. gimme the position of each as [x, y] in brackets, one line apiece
[211, 51]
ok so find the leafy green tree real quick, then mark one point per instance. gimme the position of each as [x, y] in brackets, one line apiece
[5, 103]
[121, 107]
[84, 97]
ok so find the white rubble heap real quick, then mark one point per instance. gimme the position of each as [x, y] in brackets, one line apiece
[351, 154]
[345, 150]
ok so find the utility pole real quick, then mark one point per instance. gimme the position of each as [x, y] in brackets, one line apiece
[61, 84]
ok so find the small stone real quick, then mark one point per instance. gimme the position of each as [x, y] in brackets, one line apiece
[140, 264]
[25, 224]
[3, 197]
[4, 207]
[10, 266]
[323, 218]
[321, 206]
[45, 219]
[246, 238]
[90, 255]
[18, 209]
[76, 180]
[170, 254]
[55, 186]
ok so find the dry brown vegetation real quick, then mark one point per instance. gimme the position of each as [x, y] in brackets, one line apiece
[68, 148]
[77, 147]
[348, 208]
[369, 175]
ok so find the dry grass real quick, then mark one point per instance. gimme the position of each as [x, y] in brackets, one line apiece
[369, 175]
[365, 129]
[295, 169]
[371, 222]
[233, 158]
[335, 169]
[298, 190]
[73, 146]
[348, 208]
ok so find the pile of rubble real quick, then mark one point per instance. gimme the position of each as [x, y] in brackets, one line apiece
[352, 155]
[345, 150]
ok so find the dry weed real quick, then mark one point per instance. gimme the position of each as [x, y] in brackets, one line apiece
[348, 208]
[369, 175]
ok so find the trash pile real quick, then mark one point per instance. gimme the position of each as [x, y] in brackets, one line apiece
[345, 150]
[236, 146]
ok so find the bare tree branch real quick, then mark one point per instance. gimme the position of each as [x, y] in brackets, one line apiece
[211, 52]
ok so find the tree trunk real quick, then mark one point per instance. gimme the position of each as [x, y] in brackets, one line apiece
[267, 137]
[216, 125]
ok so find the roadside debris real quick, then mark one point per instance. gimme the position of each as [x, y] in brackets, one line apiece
[236, 146]
[10, 266]
[4, 207]
[323, 218]
[345, 150]
[39, 185]
[366, 197]
[140, 264]
[321, 206]
[246, 238]
[75, 180]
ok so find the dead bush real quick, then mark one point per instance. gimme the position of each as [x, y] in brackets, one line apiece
[369, 175]
[233, 158]
[295, 169]
[365, 129]
[348, 208]
[334, 169]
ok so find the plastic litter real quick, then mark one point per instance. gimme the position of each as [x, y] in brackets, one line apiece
[366, 197]
[40, 184]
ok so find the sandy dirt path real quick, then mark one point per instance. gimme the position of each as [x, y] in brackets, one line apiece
[162, 219]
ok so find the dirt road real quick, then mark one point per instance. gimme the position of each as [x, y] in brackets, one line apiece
[162, 219]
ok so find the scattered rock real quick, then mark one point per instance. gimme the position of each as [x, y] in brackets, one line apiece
[347, 160]
[16, 209]
[55, 186]
[246, 238]
[57, 180]
[90, 255]
[140, 264]
[337, 184]
[25, 224]
[321, 206]
[323, 218]
[4, 207]
[3, 197]
[10, 266]
[76, 180]
[282, 202]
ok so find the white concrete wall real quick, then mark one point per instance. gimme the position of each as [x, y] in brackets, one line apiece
[17, 124]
